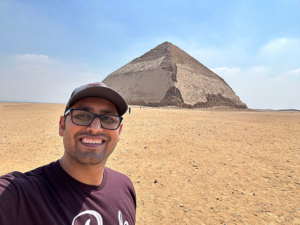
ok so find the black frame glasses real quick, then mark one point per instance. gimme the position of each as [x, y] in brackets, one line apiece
[106, 120]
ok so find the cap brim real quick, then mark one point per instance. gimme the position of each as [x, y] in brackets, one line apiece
[101, 92]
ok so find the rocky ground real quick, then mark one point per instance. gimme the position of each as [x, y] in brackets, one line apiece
[188, 166]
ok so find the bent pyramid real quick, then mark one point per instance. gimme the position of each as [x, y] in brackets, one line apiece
[166, 75]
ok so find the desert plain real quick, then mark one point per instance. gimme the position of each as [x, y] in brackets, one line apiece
[216, 166]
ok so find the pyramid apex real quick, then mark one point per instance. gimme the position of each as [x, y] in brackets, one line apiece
[166, 43]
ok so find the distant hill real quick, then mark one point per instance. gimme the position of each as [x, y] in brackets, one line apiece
[292, 110]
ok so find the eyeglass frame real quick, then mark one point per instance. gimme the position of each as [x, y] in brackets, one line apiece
[70, 111]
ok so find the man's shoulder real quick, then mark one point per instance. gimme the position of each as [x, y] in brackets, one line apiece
[113, 173]
[120, 183]
[13, 178]
[42, 170]
[10, 178]
[117, 177]
[16, 178]
[12, 183]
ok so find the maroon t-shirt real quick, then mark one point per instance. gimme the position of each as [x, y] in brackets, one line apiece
[49, 195]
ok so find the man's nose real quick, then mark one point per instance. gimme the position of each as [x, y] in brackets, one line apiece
[95, 126]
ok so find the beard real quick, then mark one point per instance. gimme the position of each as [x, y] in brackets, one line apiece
[89, 156]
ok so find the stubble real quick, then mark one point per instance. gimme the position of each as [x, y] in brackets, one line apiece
[88, 156]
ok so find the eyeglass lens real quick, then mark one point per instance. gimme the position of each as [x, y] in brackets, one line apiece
[85, 118]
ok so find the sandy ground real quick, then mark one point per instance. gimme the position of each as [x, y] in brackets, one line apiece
[188, 166]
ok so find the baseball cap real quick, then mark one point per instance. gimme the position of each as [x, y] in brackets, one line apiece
[98, 90]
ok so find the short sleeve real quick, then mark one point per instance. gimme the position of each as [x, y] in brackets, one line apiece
[8, 200]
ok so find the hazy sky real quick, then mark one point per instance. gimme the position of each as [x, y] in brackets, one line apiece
[48, 48]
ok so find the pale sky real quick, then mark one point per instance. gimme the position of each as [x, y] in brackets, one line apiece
[48, 48]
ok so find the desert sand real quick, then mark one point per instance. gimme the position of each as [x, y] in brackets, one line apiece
[187, 166]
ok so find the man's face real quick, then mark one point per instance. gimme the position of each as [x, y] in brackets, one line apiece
[89, 145]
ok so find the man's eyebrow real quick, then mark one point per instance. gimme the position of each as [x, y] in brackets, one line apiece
[86, 108]
[107, 111]
[102, 111]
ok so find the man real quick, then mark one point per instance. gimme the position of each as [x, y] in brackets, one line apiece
[77, 189]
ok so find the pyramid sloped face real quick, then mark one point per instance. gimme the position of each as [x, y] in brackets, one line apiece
[142, 87]
[166, 75]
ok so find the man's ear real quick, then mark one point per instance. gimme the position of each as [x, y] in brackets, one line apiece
[120, 130]
[61, 126]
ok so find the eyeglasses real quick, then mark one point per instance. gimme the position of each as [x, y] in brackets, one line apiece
[85, 118]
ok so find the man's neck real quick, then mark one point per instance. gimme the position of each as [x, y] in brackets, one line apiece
[87, 174]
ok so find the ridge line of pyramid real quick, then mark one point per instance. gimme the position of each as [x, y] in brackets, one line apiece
[172, 55]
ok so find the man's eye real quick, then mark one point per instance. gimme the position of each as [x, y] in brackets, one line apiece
[108, 119]
[83, 116]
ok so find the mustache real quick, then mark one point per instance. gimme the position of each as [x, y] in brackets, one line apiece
[95, 135]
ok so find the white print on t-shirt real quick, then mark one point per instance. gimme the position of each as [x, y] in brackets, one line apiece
[121, 219]
[98, 217]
